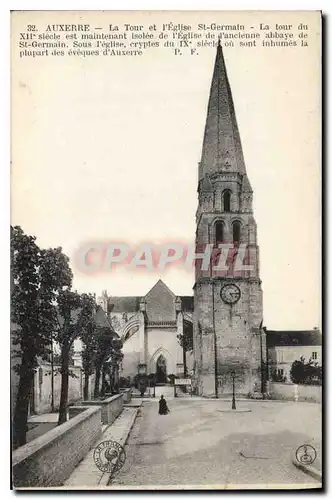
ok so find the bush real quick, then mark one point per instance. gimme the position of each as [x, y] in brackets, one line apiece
[152, 379]
[125, 382]
[172, 378]
[141, 383]
[307, 373]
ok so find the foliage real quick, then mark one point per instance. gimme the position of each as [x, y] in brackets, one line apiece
[308, 373]
[141, 382]
[75, 317]
[186, 339]
[57, 357]
[88, 337]
[125, 382]
[186, 342]
[172, 378]
[152, 379]
[107, 359]
[136, 380]
[37, 277]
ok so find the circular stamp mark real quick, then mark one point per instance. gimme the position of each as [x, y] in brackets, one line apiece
[109, 456]
[306, 454]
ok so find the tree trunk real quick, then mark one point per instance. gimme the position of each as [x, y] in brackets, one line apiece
[64, 384]
[97, 382]
[20, 423]
[184, 363]
[111, 379]
[184, 368]
[116, 379]
[86, 386]
[103, 382]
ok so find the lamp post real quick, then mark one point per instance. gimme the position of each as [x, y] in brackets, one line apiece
[262, 361]
[233, 398]
[52, 377]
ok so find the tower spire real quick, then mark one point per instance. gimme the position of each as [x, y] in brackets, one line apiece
[222, 149]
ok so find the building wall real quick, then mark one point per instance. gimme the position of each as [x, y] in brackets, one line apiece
[159, 341]
[43, 387]
[163, 341]
[281, 358]
[131, 355]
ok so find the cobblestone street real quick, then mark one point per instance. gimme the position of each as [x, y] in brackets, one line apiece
[199, 444]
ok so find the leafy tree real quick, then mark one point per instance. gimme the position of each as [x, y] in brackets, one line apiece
[186, 342]
[303, 372]
[116, 359]
[152, 379]
[143, 383]
[89, 354]
[110, 368]
[104, 337]
[75, 315]
[37, 277]
[125, 382]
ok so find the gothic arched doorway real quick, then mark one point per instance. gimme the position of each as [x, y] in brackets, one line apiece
[161, 370]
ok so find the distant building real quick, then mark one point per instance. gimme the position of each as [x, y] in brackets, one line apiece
[284, 347]
[148, 326]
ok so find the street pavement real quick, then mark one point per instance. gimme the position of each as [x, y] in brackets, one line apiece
[199, 444]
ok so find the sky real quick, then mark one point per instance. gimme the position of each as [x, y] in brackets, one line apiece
[107, 149]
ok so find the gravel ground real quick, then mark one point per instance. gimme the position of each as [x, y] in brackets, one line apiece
[197, 444]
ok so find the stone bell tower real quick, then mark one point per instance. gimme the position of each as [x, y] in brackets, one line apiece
[228, 312]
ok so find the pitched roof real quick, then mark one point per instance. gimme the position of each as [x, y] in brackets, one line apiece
[123, 304]
[279, 338]
[101, 318]
[187, 302]
[159, 287]
[222, 148]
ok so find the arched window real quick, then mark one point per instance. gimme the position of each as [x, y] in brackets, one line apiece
[219, 232]
[236, 232]
[227, 201]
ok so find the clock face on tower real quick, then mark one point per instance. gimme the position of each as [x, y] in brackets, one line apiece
[230, 293]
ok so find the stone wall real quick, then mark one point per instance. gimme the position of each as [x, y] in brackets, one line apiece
[127, 394]
[50, 459]
[110, 407]
[294, 392]
[43, 387]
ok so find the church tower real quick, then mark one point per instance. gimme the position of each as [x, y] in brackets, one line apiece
[229, 340]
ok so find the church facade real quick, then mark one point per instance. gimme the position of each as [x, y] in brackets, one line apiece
[149, 327]
[229, 341]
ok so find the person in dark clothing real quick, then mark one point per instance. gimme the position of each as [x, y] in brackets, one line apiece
[163, 408]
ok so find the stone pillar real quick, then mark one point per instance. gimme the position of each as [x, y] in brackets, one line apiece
[142, 333]
[179, 331]
[218, 202]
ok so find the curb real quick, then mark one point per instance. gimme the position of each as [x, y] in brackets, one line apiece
[308, 469]
[106, 477]
[237, 410]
